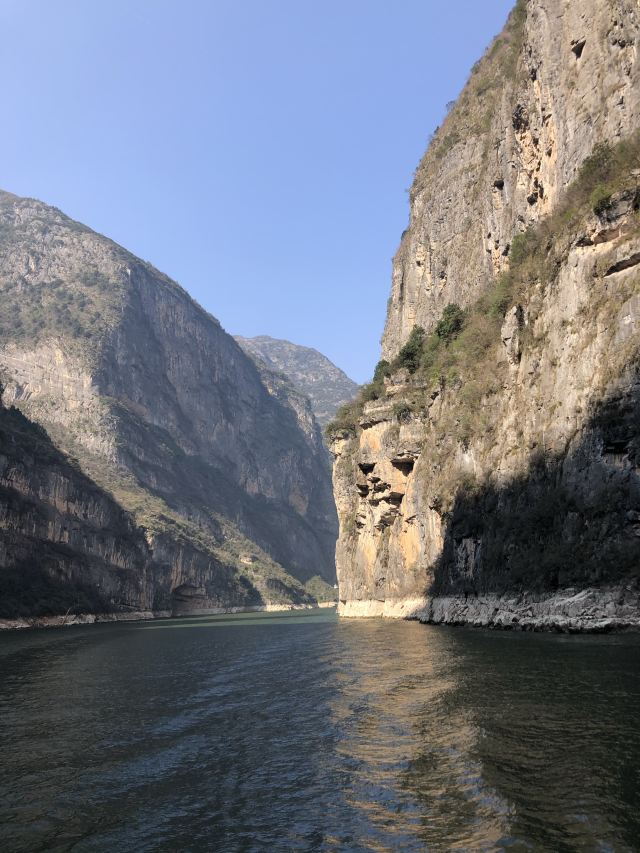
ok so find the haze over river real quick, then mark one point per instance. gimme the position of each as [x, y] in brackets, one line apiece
[263, 732]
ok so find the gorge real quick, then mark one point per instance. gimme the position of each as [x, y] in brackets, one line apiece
[151, 464]
[307, 614]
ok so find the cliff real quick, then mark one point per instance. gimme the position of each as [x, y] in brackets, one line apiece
[221, 473]
[489, 473]
[88, 551]
[311, 373]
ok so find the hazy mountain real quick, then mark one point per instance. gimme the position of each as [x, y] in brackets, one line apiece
[326, 386]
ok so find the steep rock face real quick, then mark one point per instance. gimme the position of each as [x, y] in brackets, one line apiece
[68, 548]
[312, 373]
[562, 76]
[164, 410]
[89, 554]
[498, 480]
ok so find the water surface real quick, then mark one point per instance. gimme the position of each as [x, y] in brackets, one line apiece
[269, 732]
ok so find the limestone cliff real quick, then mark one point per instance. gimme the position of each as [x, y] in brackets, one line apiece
[490, 471]
[223, 473]
[64, 542]
[561, 77]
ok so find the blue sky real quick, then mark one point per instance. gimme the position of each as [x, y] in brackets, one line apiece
[257, 152]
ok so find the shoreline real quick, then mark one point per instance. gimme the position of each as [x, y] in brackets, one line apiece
[65, 621]
[591, 610]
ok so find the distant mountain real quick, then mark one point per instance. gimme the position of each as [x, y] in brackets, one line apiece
[309, 371]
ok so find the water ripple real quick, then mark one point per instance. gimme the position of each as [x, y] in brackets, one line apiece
[306, 733]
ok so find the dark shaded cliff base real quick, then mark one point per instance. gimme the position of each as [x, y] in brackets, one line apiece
[69, 553]
[592, 610]
[572, 521]
[555, 549]
[65, 544]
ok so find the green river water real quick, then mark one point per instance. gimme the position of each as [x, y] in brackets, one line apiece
[269, 732]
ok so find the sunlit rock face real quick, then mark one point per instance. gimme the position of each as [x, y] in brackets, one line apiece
[560, 78]
[515, 468]
[210, 459]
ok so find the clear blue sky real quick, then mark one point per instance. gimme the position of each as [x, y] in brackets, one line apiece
[258, 151]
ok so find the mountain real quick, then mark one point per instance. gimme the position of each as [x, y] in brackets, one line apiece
[490, 472]
[159, 422]
[327, 387]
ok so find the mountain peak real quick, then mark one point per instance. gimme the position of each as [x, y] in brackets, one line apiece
[311, 372]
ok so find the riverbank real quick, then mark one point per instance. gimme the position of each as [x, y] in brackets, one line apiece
[66, 620]
[592, 610]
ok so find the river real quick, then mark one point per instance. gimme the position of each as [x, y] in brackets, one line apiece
[277, 732]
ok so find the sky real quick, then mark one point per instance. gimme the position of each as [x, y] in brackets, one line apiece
[257, 151]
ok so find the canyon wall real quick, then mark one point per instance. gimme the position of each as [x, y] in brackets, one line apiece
[220, 469]
[561, 77]
[490, 472]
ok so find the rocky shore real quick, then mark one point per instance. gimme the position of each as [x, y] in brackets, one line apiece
[146, 615]
[591, 610]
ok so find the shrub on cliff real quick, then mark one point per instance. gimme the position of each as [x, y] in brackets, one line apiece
[409, 355]
[383, 368]
[599, 165]
[346, 419]
[371, 391]
[600, 199]
[450, 324]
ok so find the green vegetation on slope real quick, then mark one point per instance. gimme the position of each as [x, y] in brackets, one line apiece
[461, 351]
[321, 590]
[38, 306]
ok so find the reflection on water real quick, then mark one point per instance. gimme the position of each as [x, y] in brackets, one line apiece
[302, 732]
[409, 744]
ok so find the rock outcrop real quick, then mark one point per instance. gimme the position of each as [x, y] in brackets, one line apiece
[219, 475]
[311, 373]
[493, 467]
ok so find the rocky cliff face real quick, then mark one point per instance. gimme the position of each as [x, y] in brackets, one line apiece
[65, 542]
[490, 472]
[222, 471]
[561, 77]
[310, 372]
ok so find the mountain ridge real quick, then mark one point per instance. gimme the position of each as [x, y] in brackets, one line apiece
[163, 410]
